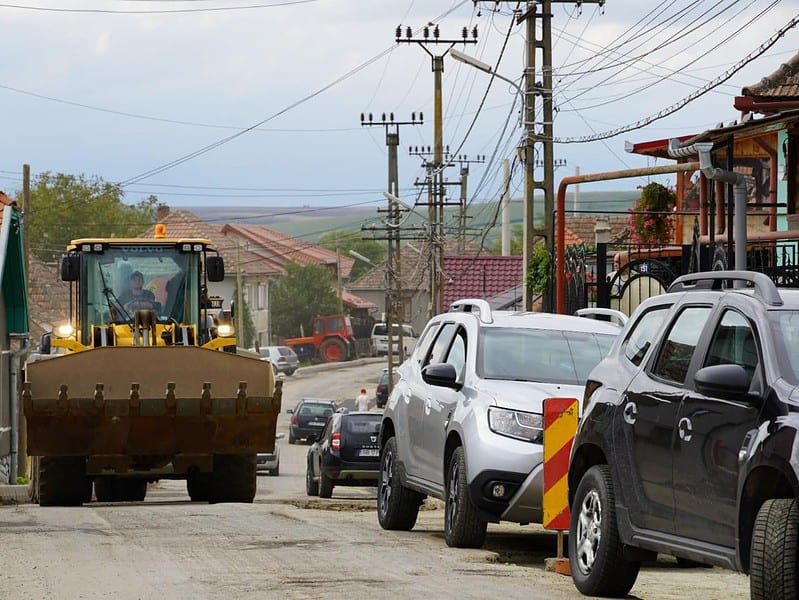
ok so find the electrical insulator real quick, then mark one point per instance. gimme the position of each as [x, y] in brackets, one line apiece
[362, 119]
[413, 117]
[408, 33]
[391, 117]
[435, 32]
[370, 117]
[426, 32]
[421, 117]
[384, 117]
[465, 33]
[474, 32]
[398, 32]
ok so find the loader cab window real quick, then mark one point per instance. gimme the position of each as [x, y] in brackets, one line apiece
[169, 280]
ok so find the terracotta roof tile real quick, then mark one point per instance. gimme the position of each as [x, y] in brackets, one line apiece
[782, 83]
[281, 248]
[480, 277]
[182, 223]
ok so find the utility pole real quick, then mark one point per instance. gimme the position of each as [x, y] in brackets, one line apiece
[436, 207]
[539, 136]
[22, 426]
[464, 162]
[395, 305]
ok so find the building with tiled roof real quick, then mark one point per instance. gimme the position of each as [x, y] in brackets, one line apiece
[778, 91]
[281, 248]
[14, 329]
[483, 276]
[48, 296]
[261, 255]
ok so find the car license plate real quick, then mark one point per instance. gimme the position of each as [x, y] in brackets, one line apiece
[368, 452]
[316, 424]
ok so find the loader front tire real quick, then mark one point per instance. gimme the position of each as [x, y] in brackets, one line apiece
[199, 486]
[63, 481]
[234, 478]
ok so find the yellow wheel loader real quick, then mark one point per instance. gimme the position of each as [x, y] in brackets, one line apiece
[141, 384]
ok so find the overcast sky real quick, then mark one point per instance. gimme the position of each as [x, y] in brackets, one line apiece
[121, 89]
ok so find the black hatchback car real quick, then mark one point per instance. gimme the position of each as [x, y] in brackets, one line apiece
[309, 417]
[346, 453]
[688, 441]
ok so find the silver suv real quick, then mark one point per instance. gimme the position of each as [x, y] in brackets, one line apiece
[464, 422]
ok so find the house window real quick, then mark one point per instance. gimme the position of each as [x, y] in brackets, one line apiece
[261, 304]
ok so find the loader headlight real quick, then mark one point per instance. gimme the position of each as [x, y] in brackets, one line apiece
[225, 330]
[64, 331]
[516, 424]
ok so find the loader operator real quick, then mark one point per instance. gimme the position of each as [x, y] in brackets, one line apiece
[136, 297]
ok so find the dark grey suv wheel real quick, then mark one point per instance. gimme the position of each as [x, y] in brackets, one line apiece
[397, 506]
[596, 555]
[773, 571]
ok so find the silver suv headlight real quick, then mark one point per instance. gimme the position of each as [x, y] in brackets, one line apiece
[516, 424]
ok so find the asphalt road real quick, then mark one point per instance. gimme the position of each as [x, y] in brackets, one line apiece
[286, 545]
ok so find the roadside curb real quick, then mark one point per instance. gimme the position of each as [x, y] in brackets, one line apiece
[340, 365]
[14, 494]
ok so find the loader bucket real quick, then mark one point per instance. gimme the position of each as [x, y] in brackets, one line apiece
[146, 407]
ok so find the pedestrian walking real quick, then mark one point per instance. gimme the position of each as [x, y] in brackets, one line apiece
[362, 401]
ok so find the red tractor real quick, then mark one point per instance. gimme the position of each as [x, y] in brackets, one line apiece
[333, 340]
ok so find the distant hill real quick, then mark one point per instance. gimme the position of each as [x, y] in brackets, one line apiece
[309, 223]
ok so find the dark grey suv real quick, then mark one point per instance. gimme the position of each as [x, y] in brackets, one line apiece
[688, 442]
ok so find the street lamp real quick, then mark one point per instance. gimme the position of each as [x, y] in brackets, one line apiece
[485, 67]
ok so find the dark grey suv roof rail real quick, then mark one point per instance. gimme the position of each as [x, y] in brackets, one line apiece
[713, 280]
[474, 305]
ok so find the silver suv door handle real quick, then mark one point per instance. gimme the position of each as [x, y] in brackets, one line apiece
[427, 405]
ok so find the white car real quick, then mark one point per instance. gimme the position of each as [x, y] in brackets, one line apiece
[464, 421]
[269, 462]
[380, 339]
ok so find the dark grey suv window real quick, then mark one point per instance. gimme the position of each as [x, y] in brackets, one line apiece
[680, 343]
[733, 343]
[643, 334]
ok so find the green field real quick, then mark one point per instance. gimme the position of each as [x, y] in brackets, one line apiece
[308, 223]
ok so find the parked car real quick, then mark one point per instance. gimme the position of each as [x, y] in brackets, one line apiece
[269, 462]
[380, 339]
[309, 417]
[464, 422]
[346, 453]
[283, 358]
[687, 443]
[381, 392]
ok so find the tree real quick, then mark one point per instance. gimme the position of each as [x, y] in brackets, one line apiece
[304, 292]
[66, 207]
[516, 241]
[352, 240]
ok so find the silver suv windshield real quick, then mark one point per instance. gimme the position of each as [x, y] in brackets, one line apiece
[540, 355]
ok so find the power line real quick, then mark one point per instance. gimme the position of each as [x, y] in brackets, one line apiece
[688, 99]
[155, 12]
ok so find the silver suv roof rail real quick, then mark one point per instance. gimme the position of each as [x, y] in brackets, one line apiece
[474, 305]
[594, 312]
[713, 280]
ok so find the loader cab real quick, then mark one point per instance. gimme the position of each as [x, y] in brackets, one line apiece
[118, 279]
